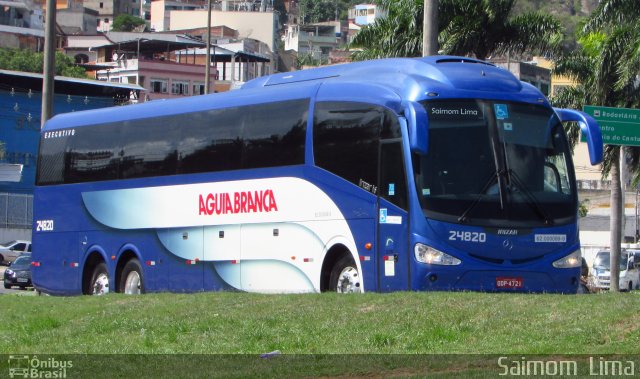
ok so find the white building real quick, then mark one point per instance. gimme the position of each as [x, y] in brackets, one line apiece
[108, 10]
[262, 26]
[365, 14]
[315, 39]
[161, 10]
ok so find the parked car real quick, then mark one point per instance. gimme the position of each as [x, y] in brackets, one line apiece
[11, 250]
[19, 272]
[629, 270]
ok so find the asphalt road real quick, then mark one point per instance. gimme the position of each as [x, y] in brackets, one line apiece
[14, 290]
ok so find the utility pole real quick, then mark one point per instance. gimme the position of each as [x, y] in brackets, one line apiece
[430, 28]
[49, 66]
[207, 65]
[615, 222]
[623, 191]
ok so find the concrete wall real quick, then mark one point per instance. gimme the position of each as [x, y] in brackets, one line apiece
[7, 235]
[256, 25]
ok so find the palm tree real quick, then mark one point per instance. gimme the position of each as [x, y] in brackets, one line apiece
[606, 68]
[620, 17]
[478, 28]
[485, 28]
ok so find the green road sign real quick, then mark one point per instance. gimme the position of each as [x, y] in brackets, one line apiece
[619, 126]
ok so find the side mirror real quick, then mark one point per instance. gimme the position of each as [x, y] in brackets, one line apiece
[418, 123]
[590, 130]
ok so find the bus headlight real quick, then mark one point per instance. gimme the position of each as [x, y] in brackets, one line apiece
[426, 254]
[570, 261]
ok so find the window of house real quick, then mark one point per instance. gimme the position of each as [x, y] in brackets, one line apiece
[159, 85]
[179, 88]
[198, 89]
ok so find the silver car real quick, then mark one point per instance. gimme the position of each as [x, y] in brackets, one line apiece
[11, 250]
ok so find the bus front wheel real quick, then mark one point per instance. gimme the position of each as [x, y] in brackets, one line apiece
[131, 280]
[99, 280]
[345, 277]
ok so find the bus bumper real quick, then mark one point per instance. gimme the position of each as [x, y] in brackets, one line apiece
[447, 279]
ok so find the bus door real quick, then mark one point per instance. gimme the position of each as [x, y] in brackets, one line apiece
[393, 220]
[186, 258]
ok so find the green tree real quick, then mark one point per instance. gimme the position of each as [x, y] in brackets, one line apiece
[29, 61]
[307, 60]
[397, 35]
[479, 28]
[606, 66]
[312, 11]
[126, 23]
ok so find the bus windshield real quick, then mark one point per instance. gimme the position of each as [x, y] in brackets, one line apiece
[495, 163]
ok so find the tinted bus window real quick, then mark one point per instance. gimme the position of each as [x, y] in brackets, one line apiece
[211, 141]
[149, 150]
[274, 134]
[345, 140]
[253, 136]
[393, 185]
[93, 154]
[51, 158]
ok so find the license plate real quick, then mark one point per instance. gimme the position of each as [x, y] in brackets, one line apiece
[22, 280]
[504, 282]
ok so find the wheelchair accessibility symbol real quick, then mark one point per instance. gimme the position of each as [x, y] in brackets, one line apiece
[502, 111]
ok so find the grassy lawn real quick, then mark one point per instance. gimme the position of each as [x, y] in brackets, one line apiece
[408, 323]
[247, 325]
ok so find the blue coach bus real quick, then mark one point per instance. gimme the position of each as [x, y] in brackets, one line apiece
[437, 173]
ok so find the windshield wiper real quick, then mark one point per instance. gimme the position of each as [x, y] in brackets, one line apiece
[533, 202]
[495, 177]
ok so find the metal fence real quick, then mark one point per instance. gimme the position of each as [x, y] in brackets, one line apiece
[16, 210]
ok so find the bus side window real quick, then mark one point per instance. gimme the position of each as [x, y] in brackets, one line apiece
[149, 147]
[93, 154]
[51, 160]
[274, 134]
[392, 176]
[345, 141]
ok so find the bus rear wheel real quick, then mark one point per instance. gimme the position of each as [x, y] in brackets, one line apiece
[345, 277]
[131, 280]
[99, 284]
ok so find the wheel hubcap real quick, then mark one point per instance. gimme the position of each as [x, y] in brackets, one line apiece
[101, 285]
[348, 281]
[132, 284]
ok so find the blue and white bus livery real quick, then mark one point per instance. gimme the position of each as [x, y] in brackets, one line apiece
[438, 173]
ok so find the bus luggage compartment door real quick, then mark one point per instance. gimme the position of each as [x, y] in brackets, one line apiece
[185, 259]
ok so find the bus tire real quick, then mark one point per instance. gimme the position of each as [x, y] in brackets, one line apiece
[99, 284]
[131, 280]
[345, 277]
